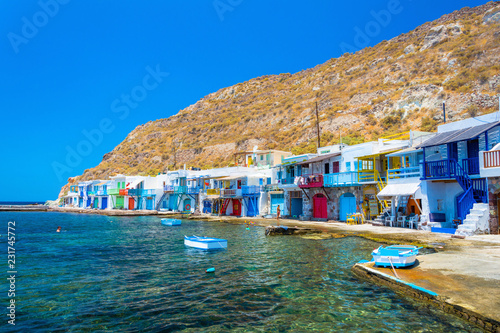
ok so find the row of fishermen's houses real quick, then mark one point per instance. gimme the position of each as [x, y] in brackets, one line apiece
[444, 182]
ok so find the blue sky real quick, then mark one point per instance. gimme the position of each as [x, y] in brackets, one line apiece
[67, 67]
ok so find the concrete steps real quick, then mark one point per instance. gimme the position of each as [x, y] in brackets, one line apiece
[476, 222]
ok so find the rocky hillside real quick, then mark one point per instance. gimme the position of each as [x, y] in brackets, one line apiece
[394, 86]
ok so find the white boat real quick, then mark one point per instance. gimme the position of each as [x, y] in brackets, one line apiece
[170, 222]
[205, 243]
[395, 255]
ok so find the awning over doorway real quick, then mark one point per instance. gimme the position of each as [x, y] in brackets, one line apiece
[402, 189]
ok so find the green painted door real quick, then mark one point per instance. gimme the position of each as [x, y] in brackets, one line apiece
[119, 202]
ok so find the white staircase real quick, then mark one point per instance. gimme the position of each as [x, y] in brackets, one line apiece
[476, 222]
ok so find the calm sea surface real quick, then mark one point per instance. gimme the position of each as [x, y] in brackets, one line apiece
[131, 274]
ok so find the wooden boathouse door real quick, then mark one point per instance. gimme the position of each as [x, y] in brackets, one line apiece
[130, 203]
[236, 207]
[320, 206]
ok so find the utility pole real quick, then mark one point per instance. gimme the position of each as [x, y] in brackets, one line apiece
[444, 112]
[317, 125]
[175, 155]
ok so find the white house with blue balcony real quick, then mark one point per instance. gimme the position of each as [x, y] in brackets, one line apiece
[286, 192]
[402, 189]
[455, 191]
[330, 182]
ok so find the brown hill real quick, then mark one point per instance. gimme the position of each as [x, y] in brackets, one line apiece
[394, 86]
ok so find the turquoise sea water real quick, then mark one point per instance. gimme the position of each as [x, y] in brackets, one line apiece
[132, 274]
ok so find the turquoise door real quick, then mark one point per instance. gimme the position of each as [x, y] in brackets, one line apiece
[296, 209]
[149, 203]
[186, 205]
[347, 205]
[172, 202]
[277, 199]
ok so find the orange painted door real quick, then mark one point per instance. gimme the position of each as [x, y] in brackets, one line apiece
[236, 207]
[130, 203]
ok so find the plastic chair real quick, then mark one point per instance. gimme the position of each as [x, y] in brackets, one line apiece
[401, 221]
[413, 222]
[389, 220]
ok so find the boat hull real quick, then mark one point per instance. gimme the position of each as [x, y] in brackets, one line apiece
[205, 243]
[396, 256]
[170, 222]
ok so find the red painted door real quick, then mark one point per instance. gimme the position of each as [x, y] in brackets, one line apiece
[236, 207]
[130, 203]
[320, 206]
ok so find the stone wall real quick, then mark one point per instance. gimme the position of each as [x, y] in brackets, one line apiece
[333, 199]
[493, 192]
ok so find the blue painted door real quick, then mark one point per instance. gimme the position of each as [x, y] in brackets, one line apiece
[252, 206]
[277, 199]
[296, 208]
[149, 204]
[88, 202]
[172, 202]
[104, 203]
[347, 205]
[207, 207]
[80, 203]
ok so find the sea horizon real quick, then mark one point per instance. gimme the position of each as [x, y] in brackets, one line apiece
[20, 203]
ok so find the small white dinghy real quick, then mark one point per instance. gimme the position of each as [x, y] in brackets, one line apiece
[205, 243]
[395, 255]
[170, 222]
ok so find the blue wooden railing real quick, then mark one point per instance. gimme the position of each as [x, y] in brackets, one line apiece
[180, 189]
[193, 190]
[248, 190]
[340, 179]
[471, 165]
[480, 188]
[465, 202]
[408, 172]
[168, 188]
[135, 192]
[439, 169]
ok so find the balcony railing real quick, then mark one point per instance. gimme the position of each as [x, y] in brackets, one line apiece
[341, 179]
[314, 180]
[491, 159]
[212, 191]
[136, 192]
[180, 189]
[193, 190]
[113, 191]
[471, 165]
[231, 192]
[123, 191]
[288, 181]
[439, 169]
[168, 188]
[409, 172]
[148, 192]
[91, 193]
[367, 175]
[250, 190]
[102, 192]
[272, 188]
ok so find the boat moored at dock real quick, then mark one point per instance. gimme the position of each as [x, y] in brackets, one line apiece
[395, 255]
[171, 222]
[205, 243]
